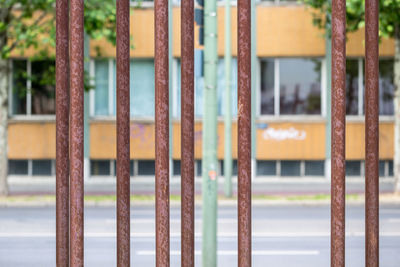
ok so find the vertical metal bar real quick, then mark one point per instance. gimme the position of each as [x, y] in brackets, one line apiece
[187, 132]
[244, 133]
[371, 133]
[76, 132]
[123, 146]
[62, 135]
[162, 132]
[338, 113]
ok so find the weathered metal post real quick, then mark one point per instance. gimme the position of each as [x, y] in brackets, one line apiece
[371, 133]
[244, 133]
[123, 130]
[187, 132]
[62, 134]
[76, 132]
[338, 133]
[162, 132]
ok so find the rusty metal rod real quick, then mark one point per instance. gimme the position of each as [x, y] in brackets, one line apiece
[187, 133]
[162, 132]
[371, 133]
[62, 134]
[244, 133]
[76, 132]
[338, 133]
[123, 142]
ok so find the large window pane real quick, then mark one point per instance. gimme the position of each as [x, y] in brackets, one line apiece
[43, 87]
[142, 87]
[352, 86]
[19, 87]
[386, 87]
[267, 87]
[101, 87]
[199, 84]
[300, 86]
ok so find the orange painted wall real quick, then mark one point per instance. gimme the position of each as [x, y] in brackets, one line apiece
[31, 140]
[282, 31]
[275, 140]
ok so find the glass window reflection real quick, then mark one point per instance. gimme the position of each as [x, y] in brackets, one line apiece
[300, 86]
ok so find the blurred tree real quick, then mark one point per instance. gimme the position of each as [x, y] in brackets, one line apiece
[389, 27]
[26, 24]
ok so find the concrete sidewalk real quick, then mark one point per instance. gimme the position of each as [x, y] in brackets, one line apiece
[145, 185]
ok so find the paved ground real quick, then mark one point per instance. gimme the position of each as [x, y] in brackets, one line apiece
[282, 236]
[145, 185]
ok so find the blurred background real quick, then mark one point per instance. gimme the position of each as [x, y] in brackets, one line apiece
[291, 77]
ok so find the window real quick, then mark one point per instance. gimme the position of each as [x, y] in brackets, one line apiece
[314, 168]
[146, 167]
[43, 87]
[100, 167]
[353, 168]
[290, 86]
[352, 86]
[177, 167]
[355, 86]
[266, 167]
[234, 167]
[290, 168]
[386, 86]
[42, 167]
[32, 87]
[17, 167]
[141, 87]
[101, 80]
[390, 166]
[267, 87]
[300, 86]
[199, 84]
[19, 86]
[382, 168]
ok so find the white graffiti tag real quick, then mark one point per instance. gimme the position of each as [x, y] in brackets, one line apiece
[284, 134]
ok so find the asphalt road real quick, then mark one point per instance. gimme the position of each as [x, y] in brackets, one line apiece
[282, 236]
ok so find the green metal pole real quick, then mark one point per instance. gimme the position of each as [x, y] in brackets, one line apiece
[253, 86]
[228, 101]
[209, 157]
[86, 106]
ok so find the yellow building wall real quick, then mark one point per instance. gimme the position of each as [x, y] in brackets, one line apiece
[276, 140]
[282, 31]
[31, 140]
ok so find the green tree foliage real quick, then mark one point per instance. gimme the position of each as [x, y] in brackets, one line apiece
[31, 23]
[28, 24]
[389, 15]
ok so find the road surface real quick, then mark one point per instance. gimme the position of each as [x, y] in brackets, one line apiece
[282, 236]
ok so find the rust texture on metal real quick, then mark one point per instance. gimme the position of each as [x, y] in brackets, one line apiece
[123, 147]
[187, 133]
[338, 133]
[244, 133]
[162, 132]
[76, 132]
[62, 134]
[371, 133]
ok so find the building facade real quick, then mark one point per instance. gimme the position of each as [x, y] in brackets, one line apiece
[291, 100]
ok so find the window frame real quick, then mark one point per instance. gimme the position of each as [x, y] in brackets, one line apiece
[28, 114]
[277, 113]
